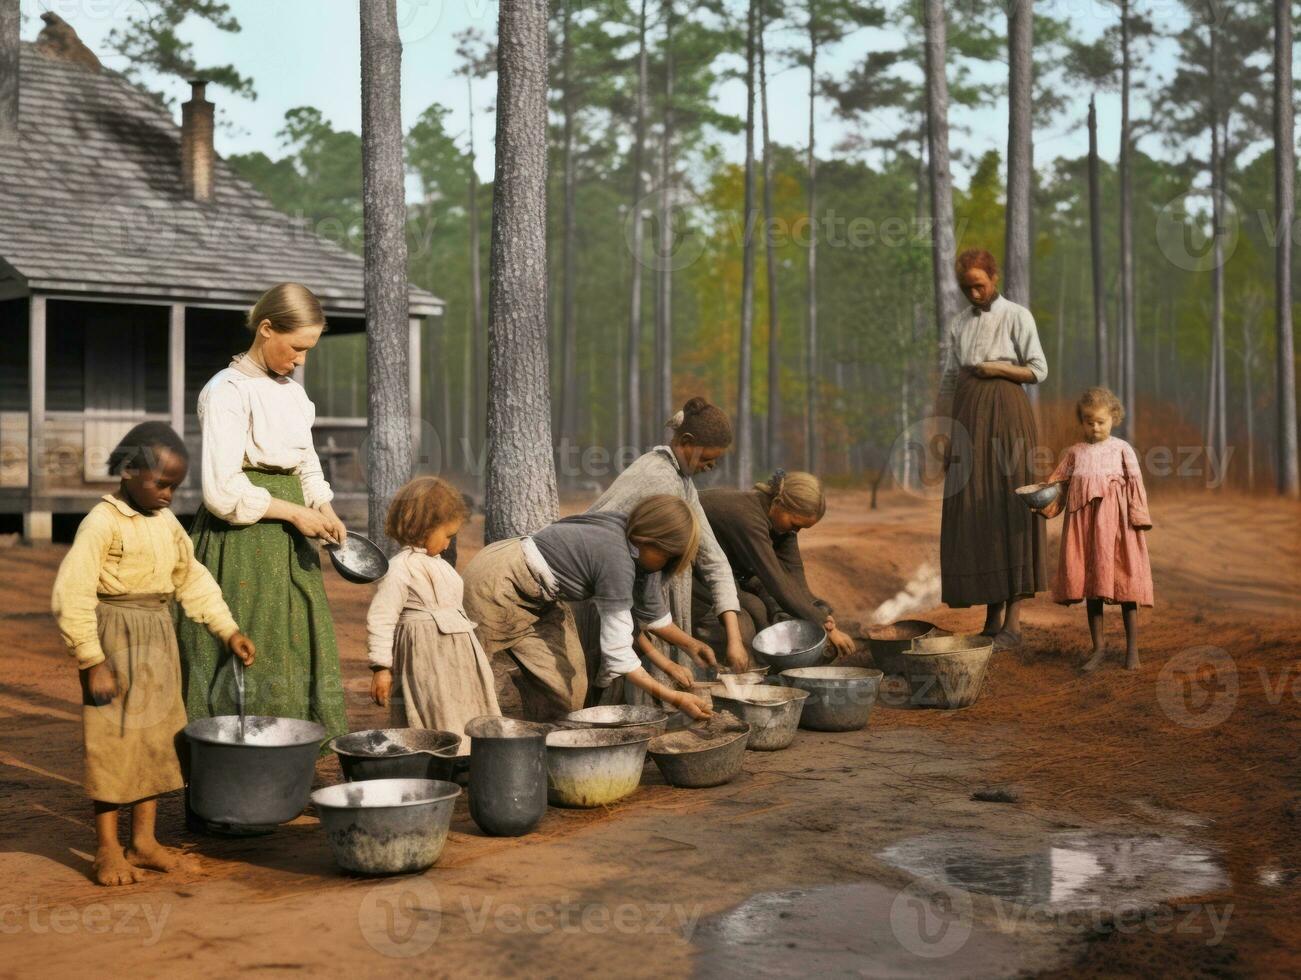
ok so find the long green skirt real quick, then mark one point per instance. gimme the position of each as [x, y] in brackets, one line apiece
[270, 576]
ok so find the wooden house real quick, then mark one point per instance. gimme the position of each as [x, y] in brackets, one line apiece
[129, 253]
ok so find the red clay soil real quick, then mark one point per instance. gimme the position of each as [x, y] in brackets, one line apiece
[1116, 745]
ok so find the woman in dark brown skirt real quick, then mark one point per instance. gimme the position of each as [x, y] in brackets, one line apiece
[992, 547]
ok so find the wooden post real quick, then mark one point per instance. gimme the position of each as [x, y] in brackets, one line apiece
[37, 519]
[413, 381]
[176, 368]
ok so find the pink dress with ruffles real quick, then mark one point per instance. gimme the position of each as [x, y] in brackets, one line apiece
[1103, 548]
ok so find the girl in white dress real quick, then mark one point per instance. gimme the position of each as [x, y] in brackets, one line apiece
[427, 664]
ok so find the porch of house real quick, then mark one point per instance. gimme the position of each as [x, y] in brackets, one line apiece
[76, 373]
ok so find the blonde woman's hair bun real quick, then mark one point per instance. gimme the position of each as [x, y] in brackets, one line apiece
[796, 493]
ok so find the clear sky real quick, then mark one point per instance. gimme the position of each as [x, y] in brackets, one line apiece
[306, 52]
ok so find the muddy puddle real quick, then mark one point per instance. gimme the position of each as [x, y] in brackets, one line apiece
[1074, 870]
[862, 929]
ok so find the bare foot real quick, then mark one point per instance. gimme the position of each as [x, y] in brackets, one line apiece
[1131, 662]
[1094, 662]
[156, 857]
[112, 868]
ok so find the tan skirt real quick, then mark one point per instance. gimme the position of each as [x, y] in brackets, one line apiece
[515, 618]
[442, 677]
[131, 742]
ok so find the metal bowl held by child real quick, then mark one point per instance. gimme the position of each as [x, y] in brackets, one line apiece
[1037, 496]
[387, 826]
[773, 713]
[259, 780]
[888, 644]
[618, 716]
[794, 643]
[948, 671]
[708, 753]
[589, 767]
[359, 559]
[396, 753]
[840, 698]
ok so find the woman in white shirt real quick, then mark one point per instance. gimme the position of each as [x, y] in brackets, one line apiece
[264, 497]
[992, 547]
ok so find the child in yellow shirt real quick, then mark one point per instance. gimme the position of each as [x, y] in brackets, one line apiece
[112, 599]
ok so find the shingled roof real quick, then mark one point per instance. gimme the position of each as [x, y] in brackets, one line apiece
[93, 203]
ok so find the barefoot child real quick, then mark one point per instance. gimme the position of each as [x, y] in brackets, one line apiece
[1103, 553]
[518, 591]
[417, 627]
[112, 599]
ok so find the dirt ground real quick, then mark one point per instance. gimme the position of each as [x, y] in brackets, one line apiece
[1201, 742]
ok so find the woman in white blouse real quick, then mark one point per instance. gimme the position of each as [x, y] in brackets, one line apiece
[992, 547]
[264, 498]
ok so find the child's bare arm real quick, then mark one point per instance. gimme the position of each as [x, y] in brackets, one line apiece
[692, 706]
[681, 676]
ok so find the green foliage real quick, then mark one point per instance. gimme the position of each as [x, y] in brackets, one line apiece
[151, 42]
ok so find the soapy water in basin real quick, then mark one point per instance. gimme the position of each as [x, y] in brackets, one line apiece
[259, 731]
[1064, 872]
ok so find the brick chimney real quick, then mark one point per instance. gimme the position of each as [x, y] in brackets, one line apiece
[196, 144]
[9, 71]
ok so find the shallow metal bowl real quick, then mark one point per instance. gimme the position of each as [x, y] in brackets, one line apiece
[387, 826]
[359, 559]
[794, 643]
[618, 716]
[708, 755]
[773, 713]
[1039, 495]
[396, 753]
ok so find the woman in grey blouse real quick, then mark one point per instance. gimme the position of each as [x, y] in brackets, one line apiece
[992, 547]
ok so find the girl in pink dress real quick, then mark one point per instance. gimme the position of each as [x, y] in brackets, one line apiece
[1103, 556]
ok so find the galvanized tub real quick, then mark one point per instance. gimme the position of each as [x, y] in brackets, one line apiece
[889, 644]
[840, 698]
[508, 774]
[794, 643]
[396, 753]
[589, 767]
[948, 671]
[773, 713]
[702, 755]
[387, 826]
[259, 781]
[618, 716]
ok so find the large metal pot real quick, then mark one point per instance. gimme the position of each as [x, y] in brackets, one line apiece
[707, 755]
[618, 716]
[773, 713]
[840, 698]
[258, 781]
[890, 644]
[508, 774]
[387, 826]
[396, 753]
[589, 767]
[948, 671]
[794, 643]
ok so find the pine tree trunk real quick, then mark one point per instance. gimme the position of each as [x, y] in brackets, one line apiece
[1218, 421]
[638, 229]
[388, 455]
[1102, 348]
[474, 358]
[1127, 317]
[664, 312]
[1289, 477]
[1020, 137]
[943, 247]
[569, 241]
[521, 478]
[811, 460]
[745, 360]
[770, 262]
